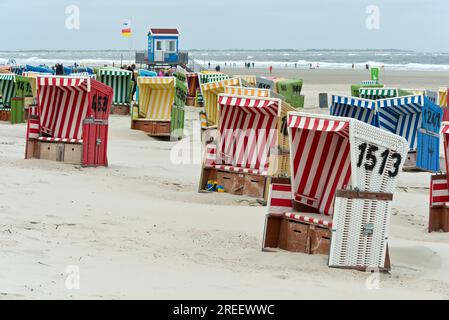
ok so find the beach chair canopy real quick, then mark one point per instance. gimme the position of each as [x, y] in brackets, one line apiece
[24, 86]
[119, 80]
[431, 95]
[290, 89]
[355, 88]
[7, 87]
[210, 93]
[443, 97]
[40, 69]
[83, 74]
[33, 80]
[212, 77]
[265, 83]
[64, 103]
[378, 93]
[248, 79]
[405, 116]
[356, 108]
[248, 131]
[156, 97]
[330, 153]
[400, 115]
[180, 87]
[243, 91]
[193, 84]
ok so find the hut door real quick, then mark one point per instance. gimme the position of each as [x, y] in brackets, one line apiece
[428, 148]
[96, 133]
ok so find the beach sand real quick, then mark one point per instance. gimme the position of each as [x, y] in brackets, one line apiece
[139, 228]
[338, 81]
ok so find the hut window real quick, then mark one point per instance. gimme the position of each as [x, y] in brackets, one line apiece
[158, 45]
[171, 46]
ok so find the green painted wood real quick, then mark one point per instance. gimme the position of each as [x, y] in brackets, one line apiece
[291, 90]
[23, 87]
[17, 109]
[177, 122]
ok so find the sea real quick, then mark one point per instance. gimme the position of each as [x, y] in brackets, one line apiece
[287, 58]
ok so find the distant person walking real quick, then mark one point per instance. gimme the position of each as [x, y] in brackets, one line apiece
[271, 69]
[253, 65]
[367, 66]
[353, 66]
[209, 65]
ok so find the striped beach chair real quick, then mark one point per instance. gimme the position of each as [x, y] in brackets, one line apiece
[121, 82]
[207, 77]
[210, 92]
[368, 84]
[416, 118]
[250, 92]
[7, 88]
[155, 112]
[343, 175]
[381, 93]
[439, 191]
[245, 155]
[70, 122]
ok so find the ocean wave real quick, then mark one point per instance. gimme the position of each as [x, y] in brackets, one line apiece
[335, 65]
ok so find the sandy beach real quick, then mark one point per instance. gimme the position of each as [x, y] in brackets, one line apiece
[139, 229]
[339, 81]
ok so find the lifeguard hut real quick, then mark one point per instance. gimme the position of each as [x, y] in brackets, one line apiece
[163, 49]
[163, 46]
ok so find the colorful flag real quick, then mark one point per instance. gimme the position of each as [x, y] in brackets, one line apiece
[126, 28]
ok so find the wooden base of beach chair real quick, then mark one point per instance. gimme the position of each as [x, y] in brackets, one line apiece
[32, 149]
[254, 186]
[249, 185]
[282, 233]
[62, 152]
[439, 219]
[122, 110]
[5, 114]
[153, 128]
[410, 163]
[233, 183]
[294, 236]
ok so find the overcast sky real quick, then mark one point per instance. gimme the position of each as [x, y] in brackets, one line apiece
[216, 24]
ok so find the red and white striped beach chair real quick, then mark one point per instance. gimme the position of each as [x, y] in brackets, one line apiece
[245, 155]
[344, 172]
[439, 191]
[70, 122]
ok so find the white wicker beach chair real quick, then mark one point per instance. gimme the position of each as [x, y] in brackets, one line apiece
[344, 173]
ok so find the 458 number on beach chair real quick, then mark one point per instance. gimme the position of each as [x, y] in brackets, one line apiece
[338, 201]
